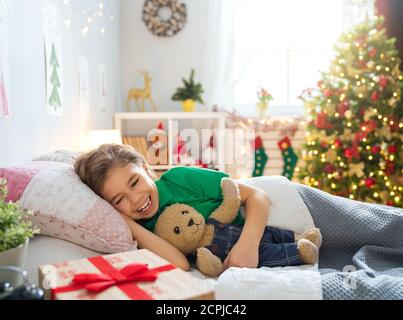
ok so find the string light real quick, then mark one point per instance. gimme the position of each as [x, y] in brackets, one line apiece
[78, 14]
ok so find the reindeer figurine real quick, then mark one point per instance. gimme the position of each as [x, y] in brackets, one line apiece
[137, 94]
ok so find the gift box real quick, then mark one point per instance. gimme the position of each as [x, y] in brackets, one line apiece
[134, 275]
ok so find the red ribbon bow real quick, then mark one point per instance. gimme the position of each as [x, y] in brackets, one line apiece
[99, 282]
[125, 279]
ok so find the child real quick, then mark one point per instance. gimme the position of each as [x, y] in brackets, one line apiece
[121, 176]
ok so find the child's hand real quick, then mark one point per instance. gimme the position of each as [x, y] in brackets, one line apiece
[242, 256]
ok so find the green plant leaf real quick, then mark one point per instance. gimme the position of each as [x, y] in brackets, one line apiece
[15, 228]
[190, 90]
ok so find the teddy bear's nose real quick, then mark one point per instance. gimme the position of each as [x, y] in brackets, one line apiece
[191, 223]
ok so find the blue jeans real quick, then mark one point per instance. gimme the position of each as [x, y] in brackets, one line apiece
[277, 247]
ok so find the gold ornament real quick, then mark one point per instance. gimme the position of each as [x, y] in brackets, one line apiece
[356, 169]
[369, 114]
[384, 132]
[392, 102]
[331, 155]
[347, 135]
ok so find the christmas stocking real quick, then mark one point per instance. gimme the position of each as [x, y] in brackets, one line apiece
[261, 157]
[289, 156]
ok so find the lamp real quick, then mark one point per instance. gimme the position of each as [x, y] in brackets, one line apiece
[96, 138]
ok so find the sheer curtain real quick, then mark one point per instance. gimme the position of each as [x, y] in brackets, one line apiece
[217, 51]
[279, 45]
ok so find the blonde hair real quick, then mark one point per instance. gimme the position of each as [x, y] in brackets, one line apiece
[93, 167]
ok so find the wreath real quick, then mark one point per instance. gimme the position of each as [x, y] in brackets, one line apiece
[164, 18]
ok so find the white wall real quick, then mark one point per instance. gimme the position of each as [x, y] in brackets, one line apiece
[31, 131]
[167, 59]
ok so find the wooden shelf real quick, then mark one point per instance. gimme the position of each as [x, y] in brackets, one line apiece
[170, 117]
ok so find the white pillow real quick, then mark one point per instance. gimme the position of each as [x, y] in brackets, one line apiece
[287, 211]
[65, 156]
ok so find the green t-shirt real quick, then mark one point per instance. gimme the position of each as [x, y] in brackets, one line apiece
[199, 188]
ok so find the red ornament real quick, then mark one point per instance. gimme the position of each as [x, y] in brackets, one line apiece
[342, 108]
[352, 152]
[390, 167]
[360, 136]
[321, 122]
[327, 93]
[375, 96]
[375, 149]
[369, 182]
[372, 53]
[390, 203]
[383, 81]
[369, 126]
[338, 143]
[392, 149]
[323, 144]
[330, 169]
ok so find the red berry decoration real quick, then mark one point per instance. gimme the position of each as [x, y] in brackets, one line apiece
[338, 143]
[383, 81]
[392, 149]
[390, 203]
[375, 96]
[375, 149]
[330, 169]
[369, 182]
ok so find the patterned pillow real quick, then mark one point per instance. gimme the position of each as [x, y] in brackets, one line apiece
[66, 208]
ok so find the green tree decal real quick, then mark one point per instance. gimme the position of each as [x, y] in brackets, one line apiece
[54, 99]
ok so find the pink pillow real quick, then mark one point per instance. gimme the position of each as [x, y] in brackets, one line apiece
[66, 208]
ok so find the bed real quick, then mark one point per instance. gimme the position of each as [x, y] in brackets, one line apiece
[361, 256]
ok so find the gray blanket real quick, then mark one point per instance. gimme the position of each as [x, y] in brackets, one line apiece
[362, 253]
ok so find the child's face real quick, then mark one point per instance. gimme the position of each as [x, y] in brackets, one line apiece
[131, 191]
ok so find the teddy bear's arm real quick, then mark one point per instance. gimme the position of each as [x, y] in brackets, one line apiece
[208, 263]
[228, 210]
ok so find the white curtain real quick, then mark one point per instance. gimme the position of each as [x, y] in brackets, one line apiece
[217, 51]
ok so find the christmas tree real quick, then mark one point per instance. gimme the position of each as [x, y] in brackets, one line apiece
[353, 145]
[54, 99]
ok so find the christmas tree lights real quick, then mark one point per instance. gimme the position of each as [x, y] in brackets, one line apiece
[354, 130]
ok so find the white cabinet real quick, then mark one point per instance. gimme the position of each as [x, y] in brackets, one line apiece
[172, 121]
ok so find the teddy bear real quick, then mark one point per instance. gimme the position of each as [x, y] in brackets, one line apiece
[186, 229]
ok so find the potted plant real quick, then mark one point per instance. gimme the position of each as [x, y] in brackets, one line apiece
[264, 98]
[189, 94]
[15, 230]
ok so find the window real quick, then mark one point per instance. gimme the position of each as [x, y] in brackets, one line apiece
[281, 46]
